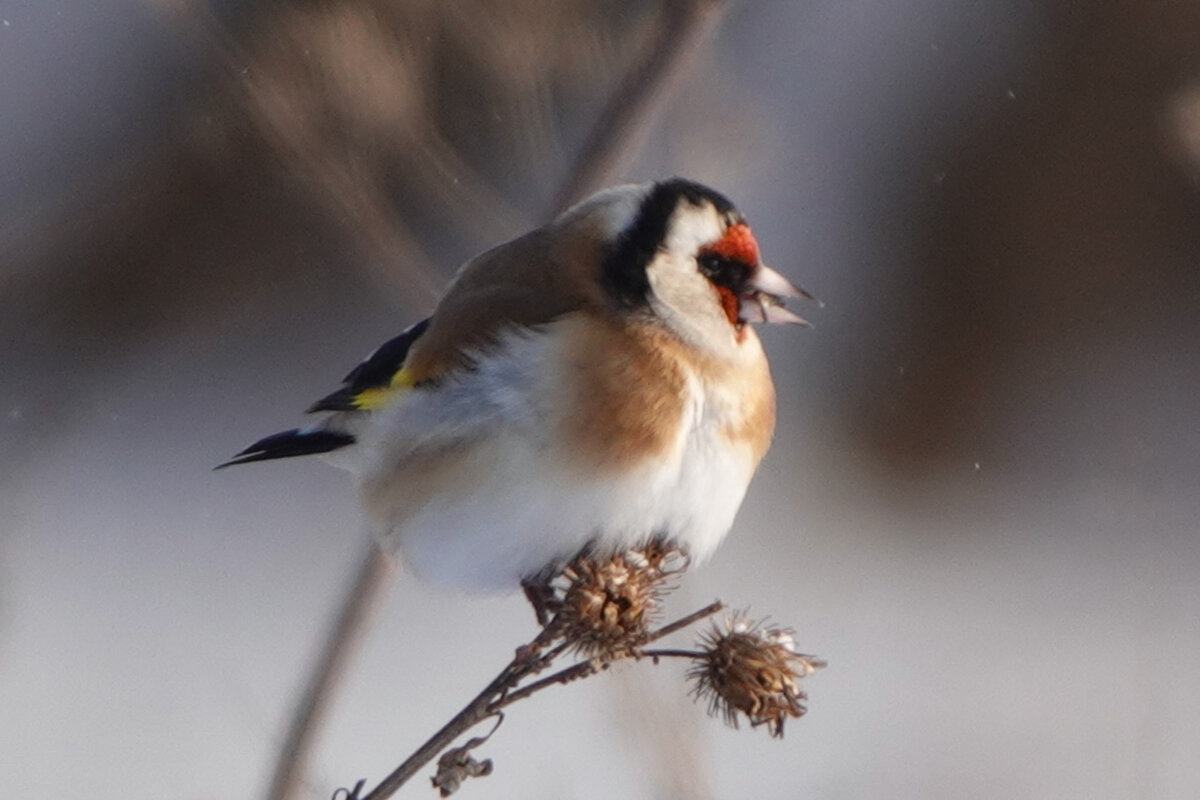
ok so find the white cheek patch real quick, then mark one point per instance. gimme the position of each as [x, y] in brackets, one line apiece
[673, 275]
[680, 295]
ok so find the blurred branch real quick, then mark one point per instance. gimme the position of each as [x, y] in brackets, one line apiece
[624, 124]
[341, 643]
[276, 94]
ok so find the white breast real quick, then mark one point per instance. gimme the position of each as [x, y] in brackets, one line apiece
[464, 482]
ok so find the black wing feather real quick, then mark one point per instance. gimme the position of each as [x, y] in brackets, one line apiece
[296, 442]
[373, 373]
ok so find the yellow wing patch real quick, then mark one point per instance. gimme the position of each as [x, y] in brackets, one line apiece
[377, 397]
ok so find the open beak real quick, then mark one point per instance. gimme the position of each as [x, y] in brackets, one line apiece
[762, 299]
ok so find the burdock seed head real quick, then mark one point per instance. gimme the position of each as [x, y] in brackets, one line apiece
[608, 602]
[748, 668]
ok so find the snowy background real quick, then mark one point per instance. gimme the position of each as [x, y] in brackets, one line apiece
[981, 508]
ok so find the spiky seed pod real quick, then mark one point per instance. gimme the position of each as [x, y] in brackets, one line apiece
[606, 603]
[747, 668]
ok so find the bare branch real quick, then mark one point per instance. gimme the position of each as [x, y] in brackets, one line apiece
[341, 643]
[574, 672]
[683, 622]
[475, 712]
[668, 653]
[502, 692]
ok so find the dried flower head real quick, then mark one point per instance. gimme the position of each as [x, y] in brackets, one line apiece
[606, 603]
[748, 668]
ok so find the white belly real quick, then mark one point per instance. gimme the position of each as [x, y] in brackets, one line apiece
[501, 503]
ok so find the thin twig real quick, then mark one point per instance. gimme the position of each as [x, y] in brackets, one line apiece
[528, 661]
[501, 693]
[667, 653]
[564, 676]
[683, 622]
[364, 598]
[475, 712]
[590, 667]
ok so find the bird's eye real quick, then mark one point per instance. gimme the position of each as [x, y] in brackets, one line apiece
[722, 271]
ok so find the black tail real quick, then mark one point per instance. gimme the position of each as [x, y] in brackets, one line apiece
[296, 442]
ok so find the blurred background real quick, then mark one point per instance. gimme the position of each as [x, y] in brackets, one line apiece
[981, 508]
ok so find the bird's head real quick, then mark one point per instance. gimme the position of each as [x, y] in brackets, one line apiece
[682, 253]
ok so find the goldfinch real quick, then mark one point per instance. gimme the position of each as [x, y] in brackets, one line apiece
[592, 384]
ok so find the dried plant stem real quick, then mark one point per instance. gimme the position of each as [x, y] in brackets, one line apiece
[585, 668]
[657, 654]
[572, 673]
[502, 692]
[529, 661]
[364, 598]
[475, 712]
[684, 622]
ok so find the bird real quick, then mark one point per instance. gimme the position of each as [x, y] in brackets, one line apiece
[590, 386]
